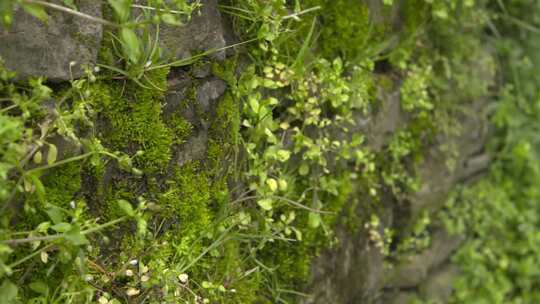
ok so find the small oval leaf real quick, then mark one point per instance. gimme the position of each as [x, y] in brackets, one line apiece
[52, 154]
[266, 204]
[61, 227]
[130, 44]
[38, 157]
[126, 207]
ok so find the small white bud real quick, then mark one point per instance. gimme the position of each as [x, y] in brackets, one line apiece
[132, 292]
[44, 257]
[129, 272]
[183, 278]
[103, 300]
[133, 262]
[72, 63]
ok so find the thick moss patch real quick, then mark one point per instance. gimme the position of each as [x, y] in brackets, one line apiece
[133, 121]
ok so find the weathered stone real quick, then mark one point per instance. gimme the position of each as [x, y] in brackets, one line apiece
[400, 297]
[338, 280]
[205, 31]
[179, 94]
[438, 286]
[349, 275]
[417, 267]
[193, 149]
[32, 48]
[353, 272]
[210, 91]
[435, 173]
[196, 101]
[387, 120]
[202, 70]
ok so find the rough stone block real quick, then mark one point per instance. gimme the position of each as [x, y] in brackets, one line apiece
[204, 32]
[33, 48]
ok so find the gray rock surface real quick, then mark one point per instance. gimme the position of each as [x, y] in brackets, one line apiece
[347, 275]
[196, 101]
[353, 273]
[399, 297]
[438, 286]
[386, 121]
[204, 32]
[416, 269]
[32, 48]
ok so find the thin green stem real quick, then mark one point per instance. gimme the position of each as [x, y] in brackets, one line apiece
[294, 292]
[61, 235]
[106, 225]
[26, 258]
[296, 15]
[72, 12]
[281, 198]
[297, 204]
[151, 8]
[522, 24]
[13, 106]
[221, 239]
[59, 163]
[192, 59]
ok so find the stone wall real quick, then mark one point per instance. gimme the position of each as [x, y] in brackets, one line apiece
[354, 271]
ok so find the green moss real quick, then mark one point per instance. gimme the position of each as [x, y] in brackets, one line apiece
[188, 198]
[294, 262]
[62, 184]
[121, 190]
[228, 119]
[231, 266]
[192, 224]
[133, 120]
[346, 28]
[89, 41]
[414, 15]
[224, 132]
[180, 127]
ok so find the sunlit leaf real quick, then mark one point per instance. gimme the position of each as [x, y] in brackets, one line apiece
[272, 184]
[266, 204]
[38, 187]
[6, 12]
[314, 220]
[35, 10]
[39, 287]
[61, 227]
[130, 44]
[75, 236]
[55, 214]
[52, 154]
[170, 19]
[122, 8]
[8, 292]
[126, 207]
